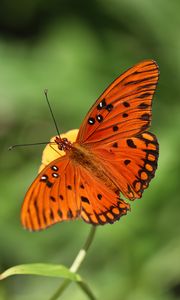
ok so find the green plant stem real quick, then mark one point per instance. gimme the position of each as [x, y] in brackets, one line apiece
[87, 290]
[75, 266]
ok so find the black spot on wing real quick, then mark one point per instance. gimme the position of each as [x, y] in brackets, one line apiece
[84, 199]
[55, 175]
[145, 117]
[44, 178]
[49, 184]
[52, 199]
[126, 104]
[99, 118]
[54, 168]
[127, 162]
[101, 104]
[131, 143]
[146, 86]
[91, 121]
[145, 126]
[144, 95]
[124, 115]
[69, 214]
[115, 145]
[143, 105]
[115, 128]
[140, 80]
[60, 213]
[109, 107]
[61, 197]
[51, 215]
[99, 196]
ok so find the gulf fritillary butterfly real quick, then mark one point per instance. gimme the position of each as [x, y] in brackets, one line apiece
[113, 155]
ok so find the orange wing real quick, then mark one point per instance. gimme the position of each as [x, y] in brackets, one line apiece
[99, 204]
[52, 196]
[132, 162]
[124, 109]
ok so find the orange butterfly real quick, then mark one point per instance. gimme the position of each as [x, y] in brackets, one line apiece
[112, 155]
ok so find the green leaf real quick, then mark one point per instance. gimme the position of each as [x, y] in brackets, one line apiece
[42, 270]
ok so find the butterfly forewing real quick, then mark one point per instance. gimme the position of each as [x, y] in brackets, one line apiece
[124, 109]
[51, 198]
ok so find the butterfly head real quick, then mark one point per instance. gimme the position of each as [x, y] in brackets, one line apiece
[63, 143]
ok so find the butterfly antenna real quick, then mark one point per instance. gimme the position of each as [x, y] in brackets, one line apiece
[46, 95]
[24, 145]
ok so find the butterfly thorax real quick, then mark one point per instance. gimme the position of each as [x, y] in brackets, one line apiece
[63, 143]
[83, 156]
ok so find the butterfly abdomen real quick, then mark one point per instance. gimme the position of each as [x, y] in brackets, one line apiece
[84, 157]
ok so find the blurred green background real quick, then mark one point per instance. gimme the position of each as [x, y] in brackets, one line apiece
[75, 49]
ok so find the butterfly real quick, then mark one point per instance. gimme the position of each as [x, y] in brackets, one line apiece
[113, 156]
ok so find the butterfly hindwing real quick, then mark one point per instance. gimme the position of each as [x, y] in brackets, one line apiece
[124, 109]
[132, 162]
[99, 204]
[51, 197]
